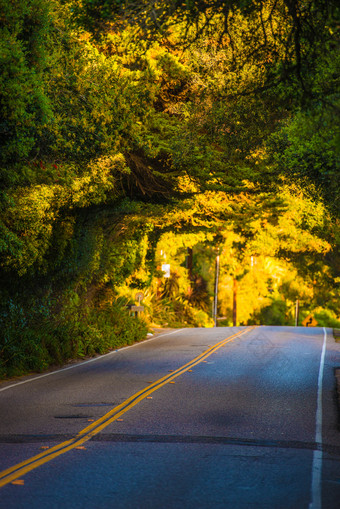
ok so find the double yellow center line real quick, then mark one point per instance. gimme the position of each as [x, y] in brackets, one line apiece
[96, 427]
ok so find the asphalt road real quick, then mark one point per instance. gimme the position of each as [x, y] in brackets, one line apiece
[185, 420]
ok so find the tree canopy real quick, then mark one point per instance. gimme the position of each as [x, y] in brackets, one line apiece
[134, 128]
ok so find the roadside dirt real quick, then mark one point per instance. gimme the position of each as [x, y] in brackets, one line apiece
[337, 381]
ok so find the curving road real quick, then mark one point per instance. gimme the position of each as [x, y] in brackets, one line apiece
[196, 418]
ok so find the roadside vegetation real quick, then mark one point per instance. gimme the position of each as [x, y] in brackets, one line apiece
[135, 136]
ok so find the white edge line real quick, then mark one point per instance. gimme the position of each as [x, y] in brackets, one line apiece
[318, 428]
[316, 502]
[79, 364]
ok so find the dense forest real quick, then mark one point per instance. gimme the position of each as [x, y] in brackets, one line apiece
[139, 134]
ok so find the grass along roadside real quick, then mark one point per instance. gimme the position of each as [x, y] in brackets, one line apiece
[336, 335]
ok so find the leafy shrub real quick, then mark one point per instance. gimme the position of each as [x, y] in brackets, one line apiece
[198, 317]
[277, 313]
[326, 318]
[28, 344]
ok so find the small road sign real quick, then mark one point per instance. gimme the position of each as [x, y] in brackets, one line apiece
[139, 296]
[309, 321]
[137, 309]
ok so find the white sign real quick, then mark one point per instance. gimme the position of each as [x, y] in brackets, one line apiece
[166, 269]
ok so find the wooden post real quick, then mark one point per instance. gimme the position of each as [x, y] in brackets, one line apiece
[297, 313]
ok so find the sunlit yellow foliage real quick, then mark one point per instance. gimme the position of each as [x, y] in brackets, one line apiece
[121, 153]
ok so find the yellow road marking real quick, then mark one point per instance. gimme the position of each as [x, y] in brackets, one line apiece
[16, 471]
[19, 482]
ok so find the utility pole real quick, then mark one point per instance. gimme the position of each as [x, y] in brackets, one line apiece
[234, 302]
[217, 270]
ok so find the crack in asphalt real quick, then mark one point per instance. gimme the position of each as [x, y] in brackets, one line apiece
[177, 439]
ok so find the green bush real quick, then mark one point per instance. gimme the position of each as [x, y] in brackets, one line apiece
[198, 317]
[277, 313]
[32, 342]
[326, 318]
